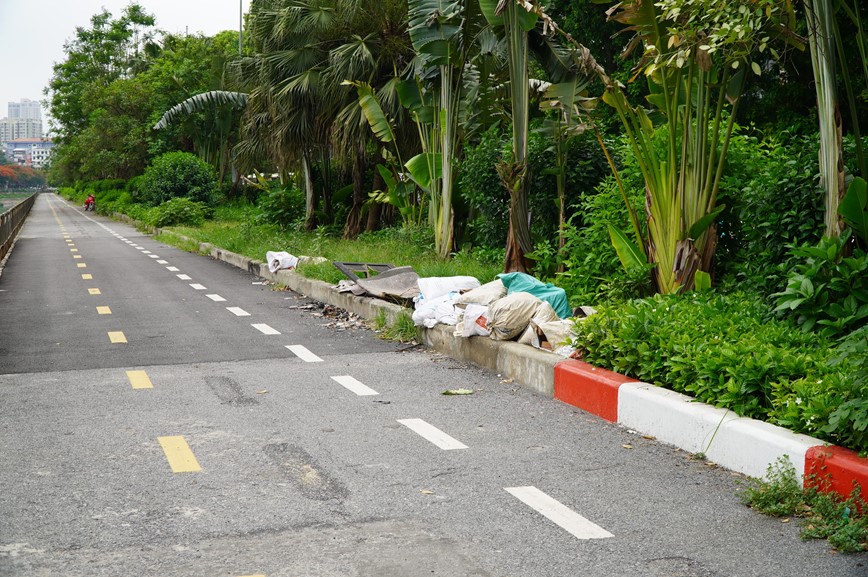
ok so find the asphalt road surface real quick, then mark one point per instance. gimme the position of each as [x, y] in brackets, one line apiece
[165, 414]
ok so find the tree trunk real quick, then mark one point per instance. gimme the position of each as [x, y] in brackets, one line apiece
[309, 196]
[375, 210]
[518, 242]
[353, 227]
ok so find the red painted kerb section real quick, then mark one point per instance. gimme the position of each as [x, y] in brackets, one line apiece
[590, 388]
[838, 467]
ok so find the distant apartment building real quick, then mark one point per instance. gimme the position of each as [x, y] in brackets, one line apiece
[32, 152]
[23, 122]
[25, 109]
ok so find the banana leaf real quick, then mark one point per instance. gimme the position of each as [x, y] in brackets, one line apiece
[628, 252]
[853, 208]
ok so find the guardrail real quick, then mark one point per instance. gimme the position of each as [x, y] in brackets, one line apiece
[11, 221]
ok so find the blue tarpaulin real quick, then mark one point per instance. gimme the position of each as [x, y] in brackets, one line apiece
[525, 283]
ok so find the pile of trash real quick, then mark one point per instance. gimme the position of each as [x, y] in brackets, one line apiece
[515, 306]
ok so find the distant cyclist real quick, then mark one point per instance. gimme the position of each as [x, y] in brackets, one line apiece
[88, 203]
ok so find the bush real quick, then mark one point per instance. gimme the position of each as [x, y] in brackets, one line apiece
[281, 206]
[174, 175]
[178, 211]
[770, 187]
[827, 291]
[729, 351]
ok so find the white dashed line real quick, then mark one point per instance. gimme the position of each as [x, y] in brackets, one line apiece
[301, 352]
[215, 298]
[146, 252]
[162, 262]
[557, 513]
[265, 329]
[184, 277]
[172, 268]
[354, 386]
[199, 287]
[433, 434]
[238, 311]
[153, 256]
[140, 248]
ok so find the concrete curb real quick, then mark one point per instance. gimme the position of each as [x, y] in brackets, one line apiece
[744, 445]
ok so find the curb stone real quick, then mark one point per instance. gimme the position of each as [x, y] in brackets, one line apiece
[740, 444]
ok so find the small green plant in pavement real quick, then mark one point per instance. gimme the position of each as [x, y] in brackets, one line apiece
[824, 515]
[402, 329]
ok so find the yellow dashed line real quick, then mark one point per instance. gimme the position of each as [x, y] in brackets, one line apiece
[117, 337]
[139, 380]
[93, 291]
[76, 256]
[103, 310]
[179, 455]
[87, 277]
[73, 250]
[81, 265]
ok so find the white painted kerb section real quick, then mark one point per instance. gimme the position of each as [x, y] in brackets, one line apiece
[744, 445]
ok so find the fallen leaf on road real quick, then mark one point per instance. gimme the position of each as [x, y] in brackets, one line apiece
[262, 392]
[627, 446]
[458, 392]
[785, 520]
[426, 492]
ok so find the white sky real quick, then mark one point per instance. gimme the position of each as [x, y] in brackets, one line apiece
[32, 34]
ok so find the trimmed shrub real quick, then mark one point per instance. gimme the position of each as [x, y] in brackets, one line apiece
[179, 211]
[174, 175]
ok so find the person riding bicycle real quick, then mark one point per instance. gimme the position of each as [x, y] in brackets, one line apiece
[88, 203]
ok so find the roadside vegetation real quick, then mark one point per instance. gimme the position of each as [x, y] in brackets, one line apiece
[687, 205]
[822, 514]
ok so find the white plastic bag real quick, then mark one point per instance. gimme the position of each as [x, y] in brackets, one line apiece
[436, 286]
[279, 260]
[475, 321]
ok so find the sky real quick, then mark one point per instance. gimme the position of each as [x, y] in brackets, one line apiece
[32, 34]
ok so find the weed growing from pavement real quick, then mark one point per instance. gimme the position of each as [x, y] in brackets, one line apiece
[825, 515]
[380, 321]
[402, 330]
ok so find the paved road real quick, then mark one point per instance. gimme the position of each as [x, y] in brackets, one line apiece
[235, 433]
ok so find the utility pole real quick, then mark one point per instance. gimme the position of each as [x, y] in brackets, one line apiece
[240, 21]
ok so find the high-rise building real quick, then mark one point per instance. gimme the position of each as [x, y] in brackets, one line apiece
[26, 108]
[24, 121]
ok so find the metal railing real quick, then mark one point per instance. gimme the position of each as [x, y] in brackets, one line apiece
[11, 221]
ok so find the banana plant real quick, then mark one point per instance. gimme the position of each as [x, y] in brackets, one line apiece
[443, 34]
[567, 101]
[697, 57]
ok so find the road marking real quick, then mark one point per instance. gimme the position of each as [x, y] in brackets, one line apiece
[146, 252]
[198, 287]
[87, 277]
[257, 575]
[215, 298]
[301, 352]
[117, 337]
[76, 256]
[433, 434]
[140, 248]
[265, 329]
[179, 455]
[81, 265]
[153, 256]
[162, 262]
[183, 277]
[73, 250]
[93, 291]
[354, 386]
[238, 311]
[128, 241]
[139, 380]
[173, 268]
[103, 310]
[559, 514]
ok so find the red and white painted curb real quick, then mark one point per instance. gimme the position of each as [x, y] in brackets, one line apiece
[741, 444]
